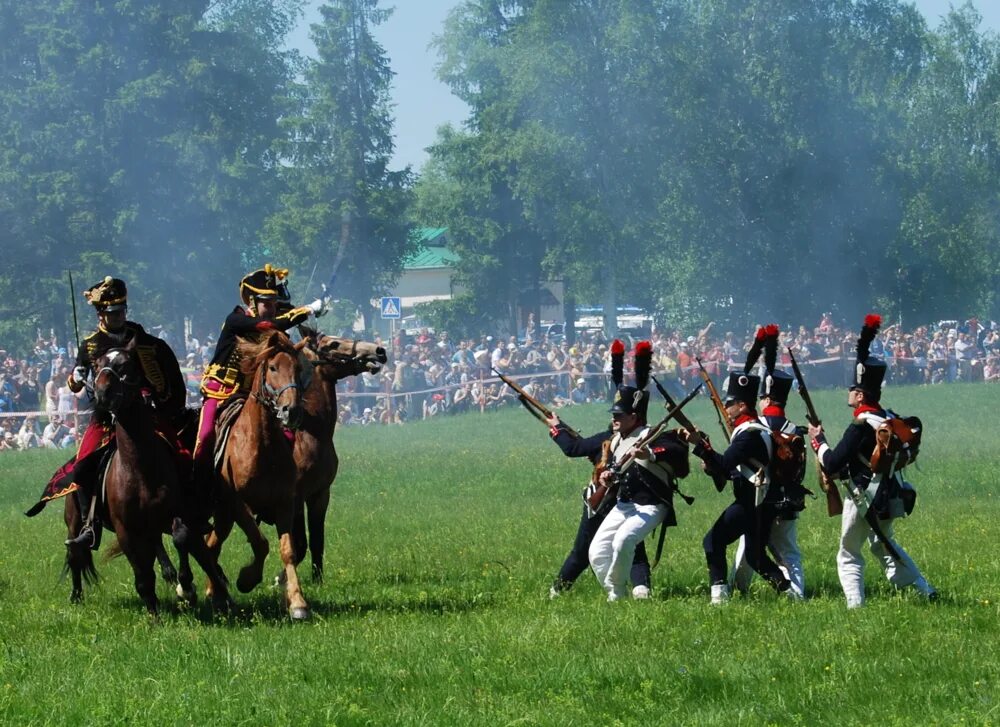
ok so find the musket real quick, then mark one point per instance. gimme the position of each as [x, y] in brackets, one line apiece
[72, 300]
[656, 430]
[537, 409]
[680, 416]
[595, 493]
[834, 503]
[720, 409]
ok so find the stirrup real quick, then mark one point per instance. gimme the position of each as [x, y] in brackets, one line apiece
[86, 537]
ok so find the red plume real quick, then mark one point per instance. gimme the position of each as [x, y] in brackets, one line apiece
[868, 332]
[643, 363]
[755, 349]
[771, 347]
[617, 361]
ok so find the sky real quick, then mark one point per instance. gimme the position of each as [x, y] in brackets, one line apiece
[423, 103]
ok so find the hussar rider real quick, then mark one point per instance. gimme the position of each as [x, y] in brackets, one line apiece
[876, 498]
[162, 383]
[266, 307]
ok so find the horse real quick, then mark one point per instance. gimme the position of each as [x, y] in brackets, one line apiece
[257, 474]
[141, 483]
[80, 561]
[315, 455]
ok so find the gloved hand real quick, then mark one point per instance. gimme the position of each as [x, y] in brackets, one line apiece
[319, 306]
[79, 375]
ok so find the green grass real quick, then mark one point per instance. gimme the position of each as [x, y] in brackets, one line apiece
[443, 538]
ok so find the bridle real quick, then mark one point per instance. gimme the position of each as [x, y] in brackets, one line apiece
[121, 389]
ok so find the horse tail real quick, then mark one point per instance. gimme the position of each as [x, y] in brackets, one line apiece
[87, 569]
[114, 551]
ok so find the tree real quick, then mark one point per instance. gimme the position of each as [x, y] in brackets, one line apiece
[342, 209]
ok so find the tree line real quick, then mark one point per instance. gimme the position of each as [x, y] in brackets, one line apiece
[705, 159]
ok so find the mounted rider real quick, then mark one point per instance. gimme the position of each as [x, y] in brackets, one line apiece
[266, 307]
[162, 385]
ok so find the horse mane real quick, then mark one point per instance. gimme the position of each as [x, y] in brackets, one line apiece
[254, 353]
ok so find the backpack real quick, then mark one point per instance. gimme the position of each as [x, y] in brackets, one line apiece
[788, 460]
[897, 443]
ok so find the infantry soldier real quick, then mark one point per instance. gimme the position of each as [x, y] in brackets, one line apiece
[877, 498]
[579, 559]
[645, 490]
[746, 462]
[268, 308]
[786, 482]
[162, 379]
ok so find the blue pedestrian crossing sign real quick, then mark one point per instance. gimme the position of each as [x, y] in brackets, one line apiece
[390, 307]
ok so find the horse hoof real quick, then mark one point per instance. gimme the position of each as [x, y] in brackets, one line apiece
[299, 614]
[76, 597]
[223, 605]
[189, 598]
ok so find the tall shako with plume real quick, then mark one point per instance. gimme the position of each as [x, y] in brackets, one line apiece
[631, 399]
[776, 384]
[743, 385]
[869, 371]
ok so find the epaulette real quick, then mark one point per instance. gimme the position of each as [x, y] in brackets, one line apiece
[94, 333]
[859, 421]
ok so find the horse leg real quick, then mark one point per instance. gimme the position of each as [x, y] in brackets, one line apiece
[253, 572]
[300, 541]
[185, 578]
[298, 609]
[222, 527]
[317, 531]
[141, 554]
[218, 589]
[167, 570]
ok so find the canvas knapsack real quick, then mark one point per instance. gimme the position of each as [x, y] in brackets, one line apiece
[897, 443]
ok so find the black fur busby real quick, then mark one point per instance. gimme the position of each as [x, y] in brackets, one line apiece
[110, 294]
[631, 399]
[776, 384]
[869, 371]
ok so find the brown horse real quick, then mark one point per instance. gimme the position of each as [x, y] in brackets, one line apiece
[257, 471]
[141, 484]
[315, 455]
[80, 560]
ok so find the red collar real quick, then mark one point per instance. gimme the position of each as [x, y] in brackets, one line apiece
[743, 419]
[864, 409]
[773, 411]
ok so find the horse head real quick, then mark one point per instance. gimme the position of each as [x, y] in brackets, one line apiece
[117, 379]
[276, 366]
[350, 356]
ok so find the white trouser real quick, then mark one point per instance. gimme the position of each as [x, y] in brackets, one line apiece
[854, 532]
[613, 547]
[785, 542]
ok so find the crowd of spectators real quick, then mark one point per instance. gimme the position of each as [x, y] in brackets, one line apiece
[430, 374]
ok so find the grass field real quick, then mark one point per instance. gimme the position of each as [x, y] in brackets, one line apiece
[443, 539]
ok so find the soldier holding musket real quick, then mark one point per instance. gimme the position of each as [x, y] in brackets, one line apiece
[644, 463]
[786, 482]
[876, 498]
[745, 462]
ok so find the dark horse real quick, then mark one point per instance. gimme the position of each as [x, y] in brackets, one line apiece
[141, 485]
[257, 477]
[315, 455]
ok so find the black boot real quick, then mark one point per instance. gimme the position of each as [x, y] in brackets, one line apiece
[90, 534]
